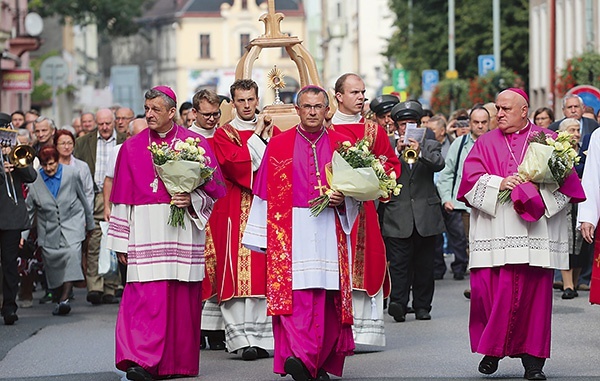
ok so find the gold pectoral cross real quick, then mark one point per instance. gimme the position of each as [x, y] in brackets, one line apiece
[320, 187]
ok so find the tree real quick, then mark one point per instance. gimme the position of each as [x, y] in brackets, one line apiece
[425, 45]
[580, 70]
[113, 17]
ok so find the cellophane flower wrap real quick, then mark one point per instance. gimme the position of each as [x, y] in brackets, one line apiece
[356, 172]
[182, 167]
[547, 161]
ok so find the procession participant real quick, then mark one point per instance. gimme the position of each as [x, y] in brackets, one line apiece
[513, 255]
[308, 276]
[411, 221]
[158, 325]
[206, 114]
[239, 148]
[369, 270]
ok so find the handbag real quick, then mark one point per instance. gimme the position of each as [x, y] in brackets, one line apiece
[108, 264]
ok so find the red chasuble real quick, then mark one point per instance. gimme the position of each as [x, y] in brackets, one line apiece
[595, 282]
[279, 230]
[369, 272]
[240, 271]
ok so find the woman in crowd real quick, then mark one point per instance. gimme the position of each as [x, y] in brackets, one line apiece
[543, 117]
[571, 275]
[63, 216]
[64, 141]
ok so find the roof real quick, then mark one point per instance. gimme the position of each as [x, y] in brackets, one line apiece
[169, 9]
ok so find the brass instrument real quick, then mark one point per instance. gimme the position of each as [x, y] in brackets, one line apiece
[410, 155]
[20, 156]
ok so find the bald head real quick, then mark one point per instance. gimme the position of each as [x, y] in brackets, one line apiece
[105, 119]
[136, 126]
[512, 111]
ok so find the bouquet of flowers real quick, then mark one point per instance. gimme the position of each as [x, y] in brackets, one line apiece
[547, 161]
[356, 172]
[182, 167]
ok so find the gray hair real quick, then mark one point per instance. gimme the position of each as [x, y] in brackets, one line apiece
[152, 94]
[570, 96]
[566, 123]
[313, 89]
[25, 132]
[44, 118]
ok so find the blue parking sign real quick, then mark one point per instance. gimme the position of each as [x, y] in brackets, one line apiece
[485, 63]
[430, 79]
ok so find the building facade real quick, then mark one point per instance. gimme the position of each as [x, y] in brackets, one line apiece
[566, 27]
[197, 44]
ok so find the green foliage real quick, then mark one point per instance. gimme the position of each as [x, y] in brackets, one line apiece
[449, 90]
[426, 47]
[42, 92]
[113, 17]
[581, 70]
[484, 89]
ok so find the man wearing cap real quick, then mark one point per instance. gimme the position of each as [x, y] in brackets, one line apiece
[158, 325]
[411, 221]
[514, 246]
[369, 270]
[13, 219]
[94, 149]
[381, 107]
[241, 286]
[309, 292]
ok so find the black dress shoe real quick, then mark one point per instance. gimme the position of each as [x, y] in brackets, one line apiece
[62, 308]
[488, 365]
[397, 311]
[94, 297]
[459, 276]
[295, 368]
[467, 293]
[569, 293]
[110, 299]
[249, 354]
[534, 374]
[422, 314]
[533, 367]
[137, 373]
[261, 353]
[216, 340]
[322, 376]
[10, 318]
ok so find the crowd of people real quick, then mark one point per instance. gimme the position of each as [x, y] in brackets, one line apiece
[253, 271]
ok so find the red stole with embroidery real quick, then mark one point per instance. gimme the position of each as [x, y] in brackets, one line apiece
[279, 230]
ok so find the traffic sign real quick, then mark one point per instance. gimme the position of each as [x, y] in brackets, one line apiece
[485, 63]
[430, 79]
[54, 71]
[400, 79]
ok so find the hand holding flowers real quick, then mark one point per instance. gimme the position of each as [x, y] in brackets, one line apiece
[182, 167]
[546, 161]
[356, 172]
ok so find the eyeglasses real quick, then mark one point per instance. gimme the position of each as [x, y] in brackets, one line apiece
[209, 115]
[66, 144]
[317, 107]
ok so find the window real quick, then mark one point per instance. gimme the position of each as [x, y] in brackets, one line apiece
[205, 46]
[244, 41]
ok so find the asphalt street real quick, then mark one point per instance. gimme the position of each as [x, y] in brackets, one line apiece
[80, 346]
